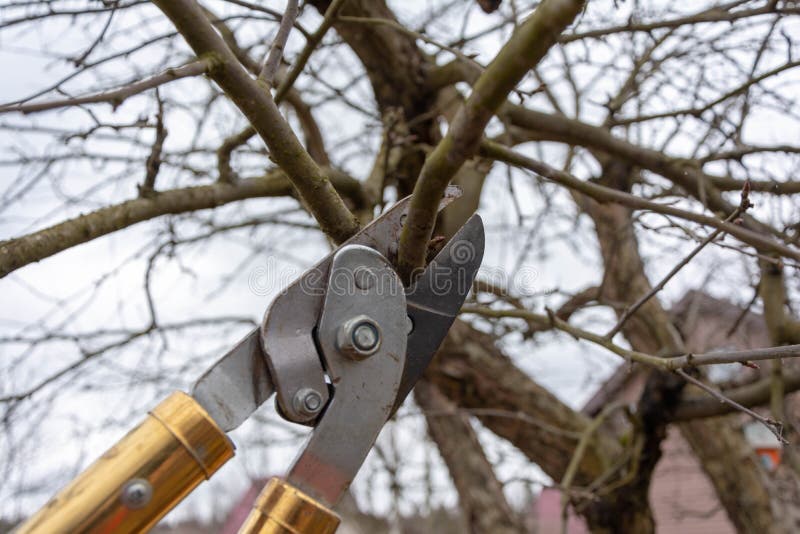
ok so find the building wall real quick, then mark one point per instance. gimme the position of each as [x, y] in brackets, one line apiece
[681, 495]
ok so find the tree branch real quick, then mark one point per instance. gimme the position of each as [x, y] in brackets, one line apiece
[773, 426]
[115, 97]
[480, 493]
[717, 13]
[471, 371]
[750, 395]
[273, 59]
[21, 251]
[745, 204]
[153, 163]
[522, 52]
[606, 194]
[667, 364]
[252, 98]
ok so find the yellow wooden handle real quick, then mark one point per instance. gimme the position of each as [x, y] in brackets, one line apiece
[283, 509]
[142, 477]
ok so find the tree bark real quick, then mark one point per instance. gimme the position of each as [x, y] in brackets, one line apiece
[480, 493]
[474, 374]
[738, 478]
[30, 248]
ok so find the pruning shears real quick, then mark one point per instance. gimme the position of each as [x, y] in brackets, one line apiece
[340, 349]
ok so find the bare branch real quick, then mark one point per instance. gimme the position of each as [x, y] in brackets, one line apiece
[755, 394]
[254, 101]
[773, 426]
[480, 493]
[668, 364]
[522, 52]
[604, 194]
[18, 252]
[577, 456]
[115, 97]
[154, 159]
[745, 204]
[273, 59]
[718, 13]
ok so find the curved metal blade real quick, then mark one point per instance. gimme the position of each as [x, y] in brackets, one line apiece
[239, 382]
[236, 384]
[434, 300]
[364, 388]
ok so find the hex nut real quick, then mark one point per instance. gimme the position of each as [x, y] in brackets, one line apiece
[307, 402]
[359, 338]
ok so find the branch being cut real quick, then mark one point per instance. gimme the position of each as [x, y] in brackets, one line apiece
[522, 52]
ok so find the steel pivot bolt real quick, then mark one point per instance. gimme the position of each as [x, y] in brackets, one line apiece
[307, 401]
[364, 278]
[359, 338]
[136, 493]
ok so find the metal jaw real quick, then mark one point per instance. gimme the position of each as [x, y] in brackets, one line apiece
[362, 339]
[286, 333]
[281, 355]
[436, 298]
[376, 339]
[344, 345]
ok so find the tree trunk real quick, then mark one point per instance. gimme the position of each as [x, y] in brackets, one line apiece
[742, 485]
[480, 493]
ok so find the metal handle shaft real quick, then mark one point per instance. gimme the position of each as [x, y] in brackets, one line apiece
[142, 477]
[283, 509]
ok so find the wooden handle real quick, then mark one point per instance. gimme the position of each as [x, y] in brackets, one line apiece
[283, 509]
[142, 477]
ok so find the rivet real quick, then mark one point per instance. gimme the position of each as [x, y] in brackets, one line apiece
[136, 493]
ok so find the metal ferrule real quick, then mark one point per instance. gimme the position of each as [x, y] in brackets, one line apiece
[142, 477]
[283, 509]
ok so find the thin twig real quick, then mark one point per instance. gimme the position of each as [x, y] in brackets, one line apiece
[669, 364]
[417, 35]
[313, 187]
[742, 314]
[153, 163]
[523, 51]
[743, 206]
[577, 456]
[774, 426]
[227, 147]
[311, 44]
[117, 96]
[759, 241]
[739, 356]
[273, 59]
